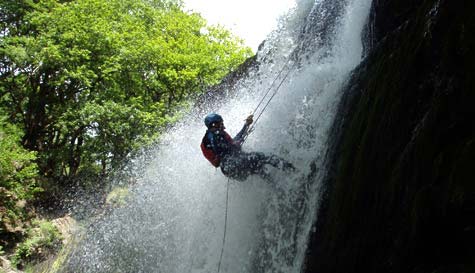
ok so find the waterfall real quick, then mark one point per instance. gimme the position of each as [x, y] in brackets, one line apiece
[174, 218]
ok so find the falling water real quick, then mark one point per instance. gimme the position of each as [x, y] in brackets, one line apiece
[174, 218]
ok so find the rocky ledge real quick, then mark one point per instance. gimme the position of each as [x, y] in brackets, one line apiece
[400, 196]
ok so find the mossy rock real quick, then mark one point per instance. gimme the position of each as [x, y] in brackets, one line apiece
[117, 197]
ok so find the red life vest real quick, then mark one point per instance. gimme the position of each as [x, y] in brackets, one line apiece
[209, 154]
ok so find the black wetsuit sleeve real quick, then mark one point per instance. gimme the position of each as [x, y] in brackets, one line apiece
[240, 136]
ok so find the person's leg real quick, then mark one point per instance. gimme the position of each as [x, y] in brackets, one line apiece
[277, 162]
[255, 163]
[232, 167]
[240, 166]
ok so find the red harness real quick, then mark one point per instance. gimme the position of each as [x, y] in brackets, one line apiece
[208, 152]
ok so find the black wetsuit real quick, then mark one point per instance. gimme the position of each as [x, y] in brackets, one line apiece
[234, 162]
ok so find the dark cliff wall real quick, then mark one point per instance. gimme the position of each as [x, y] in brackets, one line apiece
[401, 194]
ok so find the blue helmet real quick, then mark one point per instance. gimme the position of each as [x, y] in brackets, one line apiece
[212, 118]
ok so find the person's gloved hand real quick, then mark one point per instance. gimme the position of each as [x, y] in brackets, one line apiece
[249, 120]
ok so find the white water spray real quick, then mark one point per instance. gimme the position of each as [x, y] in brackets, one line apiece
[174, 220]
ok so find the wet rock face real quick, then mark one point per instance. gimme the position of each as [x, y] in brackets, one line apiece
[319, 27]
[401, 197]
[216, 95]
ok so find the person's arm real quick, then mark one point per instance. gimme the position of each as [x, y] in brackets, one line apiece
[239, 138]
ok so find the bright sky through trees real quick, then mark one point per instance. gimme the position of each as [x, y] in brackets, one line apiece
[251, 20]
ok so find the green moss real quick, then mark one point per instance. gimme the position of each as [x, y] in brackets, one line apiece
[117, 197]
[42, 239]
[56, 263]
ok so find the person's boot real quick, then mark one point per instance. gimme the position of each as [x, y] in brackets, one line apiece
[282, 164]
[288, 167]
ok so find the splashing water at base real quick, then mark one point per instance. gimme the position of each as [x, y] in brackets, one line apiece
[174, 219]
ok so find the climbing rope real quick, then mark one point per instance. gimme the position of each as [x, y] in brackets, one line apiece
[251, 128]
[225, 226]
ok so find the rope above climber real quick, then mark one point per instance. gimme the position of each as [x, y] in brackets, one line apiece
[225, 152]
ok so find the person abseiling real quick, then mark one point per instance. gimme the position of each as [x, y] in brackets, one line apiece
[225, 152]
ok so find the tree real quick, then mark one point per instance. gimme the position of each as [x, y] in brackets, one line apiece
[90, 81]
[18, 176]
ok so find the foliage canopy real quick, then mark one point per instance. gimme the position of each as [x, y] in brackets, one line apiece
[90, 81]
